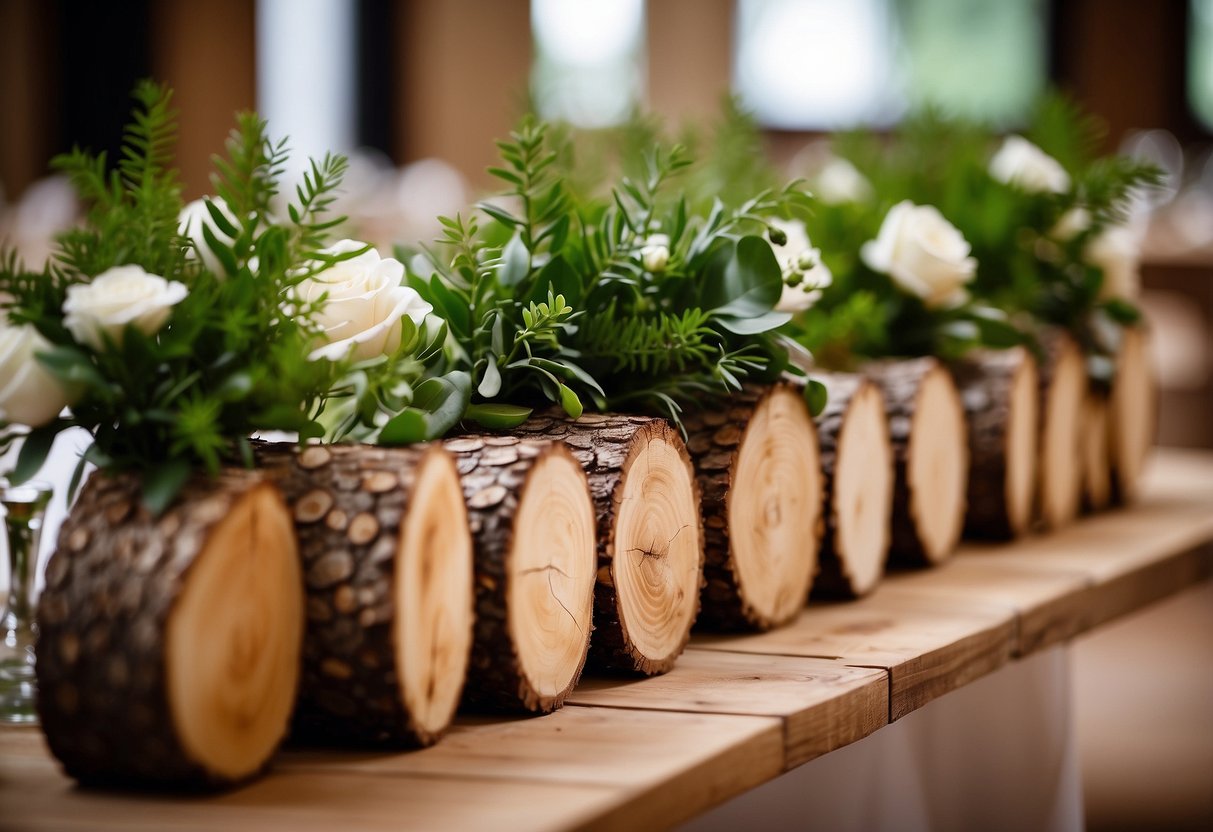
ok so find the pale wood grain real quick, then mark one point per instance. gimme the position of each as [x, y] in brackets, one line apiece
[823, 704]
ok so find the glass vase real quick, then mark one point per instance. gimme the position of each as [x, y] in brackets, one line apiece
[24, 508]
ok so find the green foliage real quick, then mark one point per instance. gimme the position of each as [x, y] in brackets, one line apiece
[233, 357]
[622, 296]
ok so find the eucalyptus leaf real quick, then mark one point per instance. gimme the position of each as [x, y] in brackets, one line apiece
[34, 451]
[490, 382]
[755, 325]
[515, 262]
[747, 284]
[498, 416]
[438, 403]
[816, 395]
[569, 401]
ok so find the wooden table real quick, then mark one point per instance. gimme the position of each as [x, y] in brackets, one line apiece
[736, 712]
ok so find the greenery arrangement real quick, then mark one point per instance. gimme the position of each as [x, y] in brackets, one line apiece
[622, 297]
[174, 341]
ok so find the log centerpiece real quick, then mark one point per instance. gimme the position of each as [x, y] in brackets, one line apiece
[1000, 391]
[533, 528]
[931, 458]
[857, 460]
[168, 648]
[759, 471]
[387, 556]
[1063, 381]
[650, 536]
[1133, 409]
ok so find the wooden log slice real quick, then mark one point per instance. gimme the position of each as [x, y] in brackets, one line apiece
[1133, 413]
[533, 525]
[1063, 385]
[759, 471]
[1000, 392]
[387, 554]
[930, 458]
[168, 648]
[650, 535]
[857, 462]
[1096, 452]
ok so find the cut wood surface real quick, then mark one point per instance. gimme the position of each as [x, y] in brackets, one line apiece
[759, 472]
[168, 650]
[1133, 413]
[857, 462]
[650, 535]
[387, 556]
[532, 522]
[930, 454]
[1096, 452]
[1000, 393]
[1063, 388]
[651, 753]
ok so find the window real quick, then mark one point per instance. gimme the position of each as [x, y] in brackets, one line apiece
[830, 64]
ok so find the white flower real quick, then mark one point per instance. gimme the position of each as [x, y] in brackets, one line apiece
[1117, 253]
[29, 394]
[120, 297]
[655, 254]
[190, 222]
[1019, 162]
[839, 182]
[924, 254]
[364, 304]
[1071, 224]
[804, 275]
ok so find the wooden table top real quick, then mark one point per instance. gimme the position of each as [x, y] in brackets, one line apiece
[736, 711]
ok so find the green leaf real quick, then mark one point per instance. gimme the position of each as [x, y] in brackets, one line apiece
[72, 366]
[570, 402]
[745, 285]
[498, 416]
[515, 262]
[163, 483]
[999, 334]
[816, 395]
[490, 382]
[753, 326]
[438, 403]
[34, 450]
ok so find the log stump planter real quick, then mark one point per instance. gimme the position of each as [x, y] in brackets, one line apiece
[1133, 410]
[532, 522]
[857, 461]
[1001, 396]
[1063, 388]
[168, 649]
[387, 558]
[758, 466]
[1096, 452]
[931, 458]
[650, 535]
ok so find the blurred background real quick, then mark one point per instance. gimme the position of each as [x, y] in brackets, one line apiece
[416, 91]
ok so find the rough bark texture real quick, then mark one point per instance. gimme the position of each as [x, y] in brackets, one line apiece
[715, 436]
[495, 470]
[832, 579]
[111, 586]
[986, 380]
[348, 503]
[900, 381]
[603, 444]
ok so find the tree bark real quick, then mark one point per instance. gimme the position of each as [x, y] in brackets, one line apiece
[757, 462]
[930, 458]
[857, 463]
[532, 524]
[168, 648]
[1000, 393]
[650, 535]
[387, 559]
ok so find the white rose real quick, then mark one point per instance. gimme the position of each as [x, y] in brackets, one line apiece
[117, 298]
[1117, 253]
[839, 182]
[364, 304]
[1071, 224]
[655, 254]
[924, 254]
[1019, 162]
[804, 275]
[189, 224]
[29, 394]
